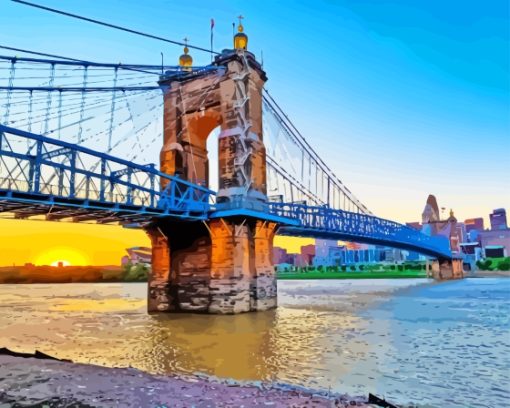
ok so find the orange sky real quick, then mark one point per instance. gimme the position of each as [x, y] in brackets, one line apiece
[44, 242]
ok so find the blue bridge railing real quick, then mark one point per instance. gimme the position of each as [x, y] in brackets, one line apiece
[37, 172]
[328, 223]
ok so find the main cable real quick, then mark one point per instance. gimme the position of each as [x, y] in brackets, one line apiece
[91, 20]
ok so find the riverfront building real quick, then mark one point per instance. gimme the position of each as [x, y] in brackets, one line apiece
[474, 224]
[495, 238]
[137, 255]
[498, 219]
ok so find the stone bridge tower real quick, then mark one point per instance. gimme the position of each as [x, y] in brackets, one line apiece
[223, 265]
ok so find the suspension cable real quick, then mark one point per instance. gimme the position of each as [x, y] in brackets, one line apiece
[91, 20]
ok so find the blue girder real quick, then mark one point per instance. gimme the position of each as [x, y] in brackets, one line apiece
[119, 190]
[328, 223]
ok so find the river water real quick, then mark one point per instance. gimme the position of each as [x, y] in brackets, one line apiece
[432, 344]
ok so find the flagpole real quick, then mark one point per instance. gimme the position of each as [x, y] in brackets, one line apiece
[212, 28]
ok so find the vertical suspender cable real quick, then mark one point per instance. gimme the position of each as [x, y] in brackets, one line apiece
[82, 112]
[112, 109]
[9, 92]
[48, 100]
[30, 107]
[59, 112]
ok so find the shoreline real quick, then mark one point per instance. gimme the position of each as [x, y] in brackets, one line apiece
[296, 276]
[41, 379]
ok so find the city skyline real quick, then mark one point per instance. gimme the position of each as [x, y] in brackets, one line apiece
[91, 251]
[415, 105]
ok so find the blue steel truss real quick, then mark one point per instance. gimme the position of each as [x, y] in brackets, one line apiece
[328, 223]
[63, 180]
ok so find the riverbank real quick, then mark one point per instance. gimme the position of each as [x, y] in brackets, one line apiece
[30, 273]
[59, 383]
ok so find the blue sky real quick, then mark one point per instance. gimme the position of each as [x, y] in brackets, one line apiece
[401, 98]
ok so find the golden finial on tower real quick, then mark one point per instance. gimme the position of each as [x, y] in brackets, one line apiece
[240, 39]
[185, 60]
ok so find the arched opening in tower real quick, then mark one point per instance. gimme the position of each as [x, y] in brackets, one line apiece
[212, 155]
[202, 148]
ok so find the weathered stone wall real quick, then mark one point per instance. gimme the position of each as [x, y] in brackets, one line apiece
[224, 267]
[263, 285]
[194, 107]
[232, 250]
[158, 298]
[445, 269]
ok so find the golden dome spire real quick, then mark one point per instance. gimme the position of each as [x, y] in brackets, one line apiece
[240, 39]
[185, 60]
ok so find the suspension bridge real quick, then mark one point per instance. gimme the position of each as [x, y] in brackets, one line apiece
[78, 142]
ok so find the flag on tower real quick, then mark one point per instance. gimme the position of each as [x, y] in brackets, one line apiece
[212, 26]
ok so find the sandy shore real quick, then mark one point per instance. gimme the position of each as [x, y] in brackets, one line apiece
[29, 381]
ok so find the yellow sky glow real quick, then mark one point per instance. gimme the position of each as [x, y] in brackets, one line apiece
[45, 242]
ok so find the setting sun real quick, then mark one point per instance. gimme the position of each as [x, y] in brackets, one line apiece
[61, 262]
[68, 256]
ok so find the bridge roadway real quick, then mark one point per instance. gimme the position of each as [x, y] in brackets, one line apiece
[62, 180]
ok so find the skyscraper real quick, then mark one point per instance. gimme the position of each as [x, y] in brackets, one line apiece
[474, 224]
[498, 219]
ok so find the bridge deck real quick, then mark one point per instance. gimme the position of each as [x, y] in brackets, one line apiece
[59, 180]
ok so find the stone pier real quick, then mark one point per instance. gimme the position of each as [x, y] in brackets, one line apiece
[221, 266]
[444, 269]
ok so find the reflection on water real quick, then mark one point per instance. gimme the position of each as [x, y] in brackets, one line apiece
[411, 340]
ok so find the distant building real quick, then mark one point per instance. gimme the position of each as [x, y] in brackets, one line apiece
[495, 251]
[352, 245]
[498, 219]
[473, 236]
[308, 253]
[474, 224]
[322, 252]
[300, 260]
[460, 231]
[469, 248]
[283, 267]
[393, 255]
[470, 252]
[137, 255]
[280, 256]
[495, 238]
